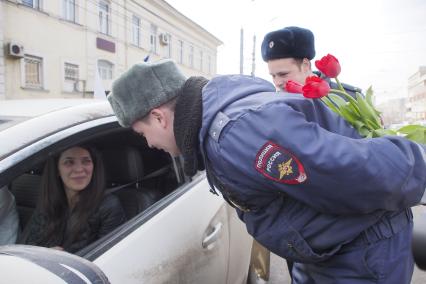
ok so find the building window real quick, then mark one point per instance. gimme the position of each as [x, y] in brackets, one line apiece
[191, 56]
[104, 17]
[32, 3]
[71, 72]
[153, 39]
[201, 60]
[33, 72]
[180, 51]
[136, 27]
[168, 50]
[69, 10]
[105, 69]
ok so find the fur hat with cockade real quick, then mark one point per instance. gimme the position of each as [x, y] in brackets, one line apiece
[289, 42]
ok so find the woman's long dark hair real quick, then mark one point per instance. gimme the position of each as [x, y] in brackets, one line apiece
[54, 206]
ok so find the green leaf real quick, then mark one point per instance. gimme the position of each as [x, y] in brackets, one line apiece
[369, 96]
[349, 98]
[358, 124]
[331, 105]
[411, 128]
[370, 124]
[364, 132]
[382, 132]
[418, 136]
[348, 114]
[368, 111]
[369, 99]
[337, 100]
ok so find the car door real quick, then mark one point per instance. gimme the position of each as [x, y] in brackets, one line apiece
[182, 239]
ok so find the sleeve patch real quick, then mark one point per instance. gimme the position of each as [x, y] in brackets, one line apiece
[279, 164]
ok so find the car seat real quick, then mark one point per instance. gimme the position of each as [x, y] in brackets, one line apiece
[124, 172]
[26, 189]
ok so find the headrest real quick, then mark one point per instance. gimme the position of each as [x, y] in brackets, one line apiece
[122, 165]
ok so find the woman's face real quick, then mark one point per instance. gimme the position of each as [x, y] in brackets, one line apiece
[75, 168]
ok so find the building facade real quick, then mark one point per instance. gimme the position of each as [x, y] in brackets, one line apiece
[393, 111]
[61, 48]
[416, 106]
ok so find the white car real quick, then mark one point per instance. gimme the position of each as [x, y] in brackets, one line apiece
[177, 231]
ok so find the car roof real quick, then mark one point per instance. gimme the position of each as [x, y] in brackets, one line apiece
[25, 121]
[37, 107]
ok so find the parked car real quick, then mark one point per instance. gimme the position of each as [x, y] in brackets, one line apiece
[177, 231]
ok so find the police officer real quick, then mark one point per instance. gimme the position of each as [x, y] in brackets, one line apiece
[306, 185]
[288, 53]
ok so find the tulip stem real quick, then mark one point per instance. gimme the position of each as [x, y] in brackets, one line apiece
[339, 85]
[351, 100]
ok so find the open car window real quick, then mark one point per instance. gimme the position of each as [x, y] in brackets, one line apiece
[139, 176]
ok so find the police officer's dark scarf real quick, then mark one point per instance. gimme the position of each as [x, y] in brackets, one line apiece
[187, 123]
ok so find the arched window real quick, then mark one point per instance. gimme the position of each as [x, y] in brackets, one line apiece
[105, 69]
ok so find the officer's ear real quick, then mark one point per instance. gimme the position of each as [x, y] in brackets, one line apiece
[306, 66]
[162, 116]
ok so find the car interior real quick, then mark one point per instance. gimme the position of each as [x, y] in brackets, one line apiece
[138, 175]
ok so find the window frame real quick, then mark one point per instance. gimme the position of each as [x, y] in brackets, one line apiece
[66, 5]
[201, 54]
[191, 56]
[40, 70]
[180, 51]
[72, 65]
[168, 47]
[35, 4]
[153, 42]
[109, 73]
[136, 30]
[104, 17]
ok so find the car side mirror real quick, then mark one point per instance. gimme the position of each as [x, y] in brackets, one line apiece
[51, 265]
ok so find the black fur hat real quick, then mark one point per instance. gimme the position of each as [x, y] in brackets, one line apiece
[289, 42]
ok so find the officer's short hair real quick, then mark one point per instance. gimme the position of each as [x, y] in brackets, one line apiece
[289, 42]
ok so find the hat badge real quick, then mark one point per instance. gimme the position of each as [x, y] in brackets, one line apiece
[271, 44]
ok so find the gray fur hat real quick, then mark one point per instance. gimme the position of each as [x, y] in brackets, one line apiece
[143, 87]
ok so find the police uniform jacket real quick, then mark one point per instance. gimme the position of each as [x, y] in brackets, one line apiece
[302, 180]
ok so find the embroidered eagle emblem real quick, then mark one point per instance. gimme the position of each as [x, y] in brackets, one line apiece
[279, 164]
[285, 168]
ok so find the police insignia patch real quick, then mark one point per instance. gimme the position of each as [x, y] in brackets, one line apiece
[278, 164]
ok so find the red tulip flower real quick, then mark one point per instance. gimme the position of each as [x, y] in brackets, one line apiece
[359, 111]
[293, 87]
[315, 88]
[329, 66]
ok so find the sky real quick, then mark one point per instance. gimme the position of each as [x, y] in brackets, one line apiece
[379, 43]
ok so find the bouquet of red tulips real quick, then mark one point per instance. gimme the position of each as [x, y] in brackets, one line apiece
[359, 111]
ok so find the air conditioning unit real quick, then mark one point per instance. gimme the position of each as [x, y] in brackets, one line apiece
[14, 50]
[164, 39]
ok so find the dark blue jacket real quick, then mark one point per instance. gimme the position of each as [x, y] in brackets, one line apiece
[303, 181]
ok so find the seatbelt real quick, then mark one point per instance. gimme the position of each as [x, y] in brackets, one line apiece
[114, 189]
[148, 176]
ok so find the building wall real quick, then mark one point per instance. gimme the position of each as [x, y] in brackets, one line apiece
[417, 96]
[393, 111]
[45, 33]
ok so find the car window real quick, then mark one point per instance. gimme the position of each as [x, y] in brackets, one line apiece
[137, 175]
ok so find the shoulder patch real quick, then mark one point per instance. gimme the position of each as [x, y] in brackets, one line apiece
[279, 164]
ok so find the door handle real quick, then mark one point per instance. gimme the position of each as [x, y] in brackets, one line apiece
[213, 236]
